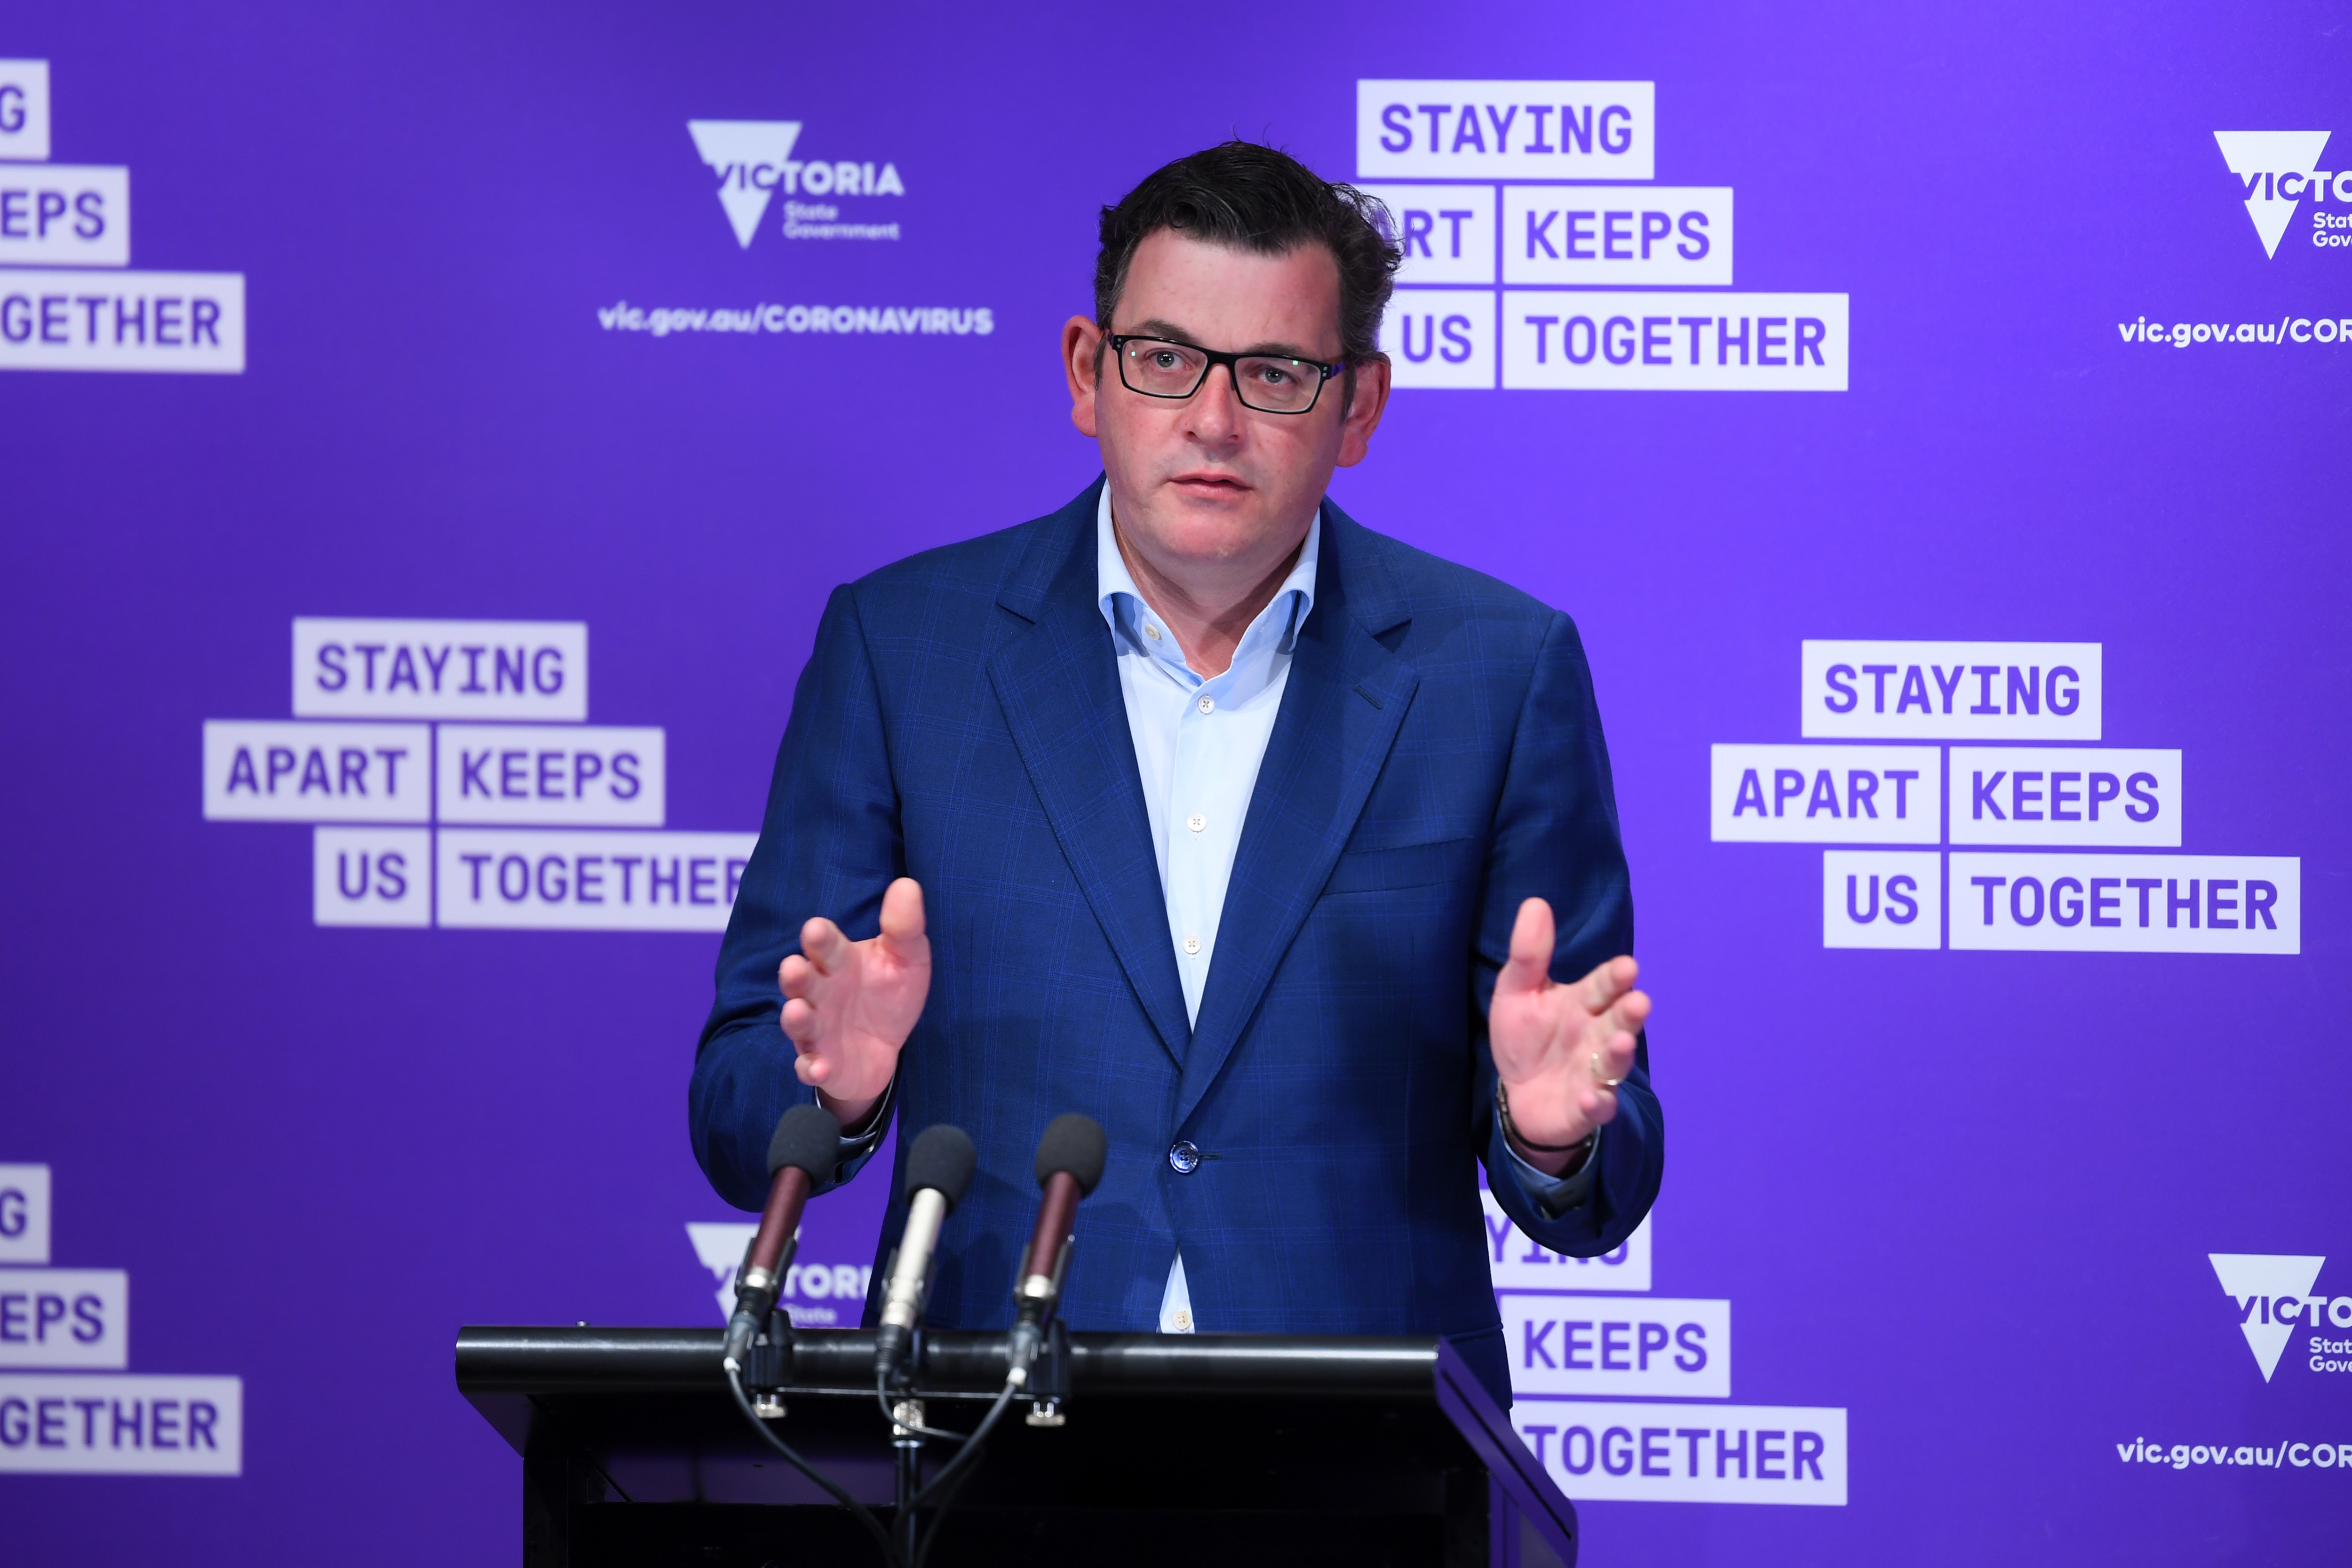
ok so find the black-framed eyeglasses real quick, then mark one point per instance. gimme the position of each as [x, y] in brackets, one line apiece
[1271, 383]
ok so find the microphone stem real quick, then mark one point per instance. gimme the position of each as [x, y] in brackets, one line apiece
[924, 1216]
[902, 1304]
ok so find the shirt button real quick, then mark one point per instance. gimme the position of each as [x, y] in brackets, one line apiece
[1180, 1319]
[1183, 1157]
[1208, 704]
[1151, 631]
[1196, 822]
[1191, 944]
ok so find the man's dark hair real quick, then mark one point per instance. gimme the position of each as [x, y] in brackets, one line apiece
[1249, 198]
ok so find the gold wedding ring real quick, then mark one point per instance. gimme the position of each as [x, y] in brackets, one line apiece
[1603, 1082]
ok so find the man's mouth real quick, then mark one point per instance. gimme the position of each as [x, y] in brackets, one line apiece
[1209, 484]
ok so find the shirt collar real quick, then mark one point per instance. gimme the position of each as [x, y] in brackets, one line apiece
[1123, 606]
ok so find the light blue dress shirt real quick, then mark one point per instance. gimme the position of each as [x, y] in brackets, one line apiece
[1199, 742]
[1198, 745]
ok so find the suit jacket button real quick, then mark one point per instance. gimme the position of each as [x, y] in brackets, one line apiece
[1184, 1156]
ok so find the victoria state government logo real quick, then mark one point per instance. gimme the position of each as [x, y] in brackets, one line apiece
[2276, 1295]
[2278, 173]
[753, 160]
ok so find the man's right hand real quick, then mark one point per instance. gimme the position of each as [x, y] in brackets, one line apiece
[850, 1005]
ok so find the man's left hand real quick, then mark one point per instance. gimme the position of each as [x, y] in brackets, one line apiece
[1560, 1048]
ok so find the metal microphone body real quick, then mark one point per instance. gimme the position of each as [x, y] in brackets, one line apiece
[902, 1301]
[939, 1163]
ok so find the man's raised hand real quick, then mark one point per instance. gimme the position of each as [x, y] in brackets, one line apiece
[1560, 1048]
[850, 1005]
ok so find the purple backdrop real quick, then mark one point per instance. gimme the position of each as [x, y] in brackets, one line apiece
[2013, 1236]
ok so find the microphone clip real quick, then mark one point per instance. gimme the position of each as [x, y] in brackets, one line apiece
[756, 1291]
[1048, 1382]
[767, 1365]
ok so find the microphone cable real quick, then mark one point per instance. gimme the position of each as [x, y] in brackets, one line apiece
[949, 1482]
[971, 1444]
[951, 1478]
[940, 1517]
[863, 1514]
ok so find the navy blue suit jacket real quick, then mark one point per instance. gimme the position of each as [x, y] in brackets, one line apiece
[1437, 758]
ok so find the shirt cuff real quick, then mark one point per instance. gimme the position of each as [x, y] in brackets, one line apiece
[1554, 1195]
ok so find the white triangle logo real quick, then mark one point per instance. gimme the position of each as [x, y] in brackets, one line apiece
[720, 1245]
[2258, 158]
[745, 154]
[2257, 1279]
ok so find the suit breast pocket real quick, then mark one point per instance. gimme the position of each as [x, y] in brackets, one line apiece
[1386, 870]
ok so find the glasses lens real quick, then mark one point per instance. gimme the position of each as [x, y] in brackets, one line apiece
[1278, 386]
[1160, 369]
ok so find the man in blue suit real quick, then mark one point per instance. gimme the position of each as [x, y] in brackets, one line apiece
[1286, 852]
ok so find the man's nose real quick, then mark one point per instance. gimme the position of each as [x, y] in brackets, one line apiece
[1216, 408]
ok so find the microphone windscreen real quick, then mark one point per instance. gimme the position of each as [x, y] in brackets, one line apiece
[1074, 1144]
[808, 1136]
[942, 1158]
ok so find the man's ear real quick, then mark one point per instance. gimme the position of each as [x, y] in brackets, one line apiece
[1371, 379]
[1082, 343]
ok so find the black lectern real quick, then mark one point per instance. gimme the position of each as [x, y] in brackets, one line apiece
[1203, 1451]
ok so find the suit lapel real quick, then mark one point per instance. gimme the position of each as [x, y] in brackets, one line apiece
[1341, 711]
[1057, 676]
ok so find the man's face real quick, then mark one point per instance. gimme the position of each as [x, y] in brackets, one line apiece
[1203, 482]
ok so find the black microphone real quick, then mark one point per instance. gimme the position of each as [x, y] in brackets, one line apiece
[939, 1168]
[1070, 1164]
[805, 1150]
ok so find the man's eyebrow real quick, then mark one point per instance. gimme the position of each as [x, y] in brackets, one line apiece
[1156, 328]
